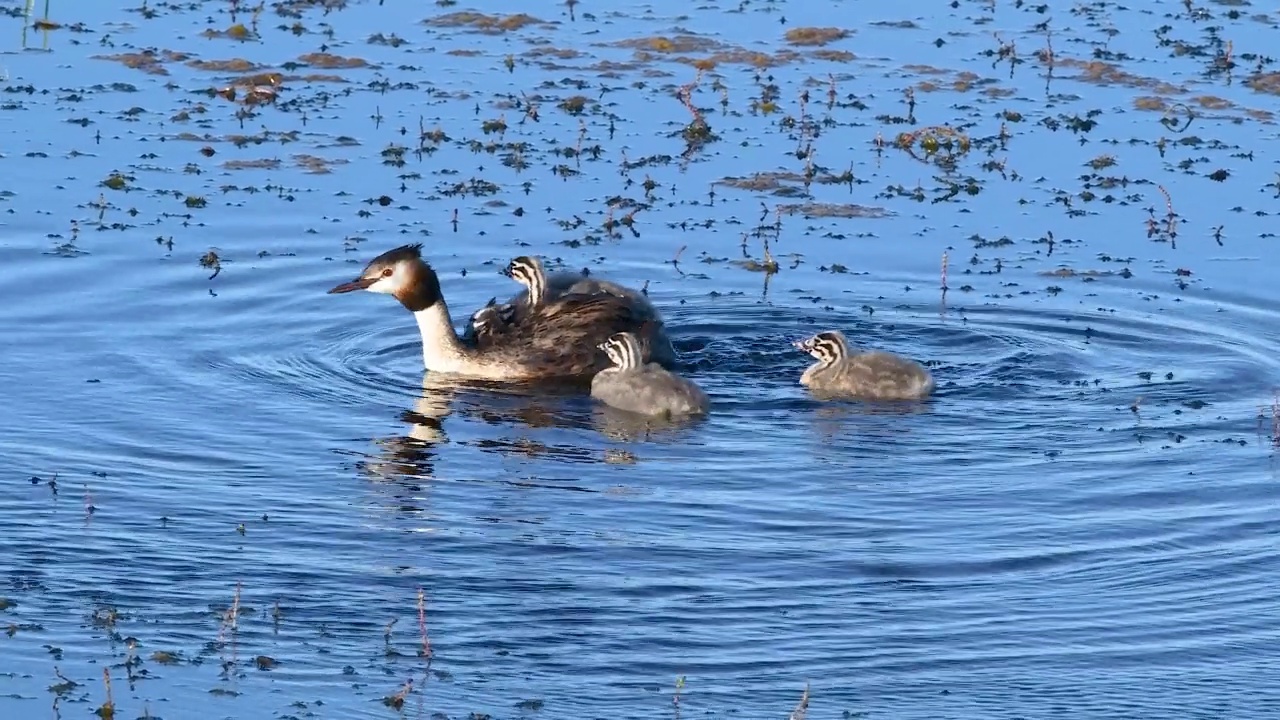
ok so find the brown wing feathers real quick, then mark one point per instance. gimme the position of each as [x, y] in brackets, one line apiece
[554, 334]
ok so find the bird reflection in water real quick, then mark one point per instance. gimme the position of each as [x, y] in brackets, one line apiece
[512, 410]
[836, 423]
[625, 426]
[411, 456]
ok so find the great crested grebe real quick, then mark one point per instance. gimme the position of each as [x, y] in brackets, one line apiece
[557, 339]
[647, 389]
[873, 375]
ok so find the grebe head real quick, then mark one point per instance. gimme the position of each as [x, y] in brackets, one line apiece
[523, 268]
[528, 271]
[624, 350]
[401, 273]
[827, 347]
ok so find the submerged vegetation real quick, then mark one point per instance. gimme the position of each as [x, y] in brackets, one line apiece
[494, 24]
[815, 35]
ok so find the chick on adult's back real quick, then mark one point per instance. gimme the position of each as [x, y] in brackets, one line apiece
[541, 288]
[873, 375]
[647, 389]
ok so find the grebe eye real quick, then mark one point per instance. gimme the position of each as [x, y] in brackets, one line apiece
[387, 272]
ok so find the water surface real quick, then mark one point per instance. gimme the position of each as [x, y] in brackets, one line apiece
[1081, 522]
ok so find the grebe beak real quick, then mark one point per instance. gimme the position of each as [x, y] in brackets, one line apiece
[357, 284]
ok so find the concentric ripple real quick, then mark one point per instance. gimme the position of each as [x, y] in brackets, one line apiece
[227, 489]
[895, 532]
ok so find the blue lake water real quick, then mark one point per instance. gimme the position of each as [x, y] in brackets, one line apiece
[1082, 522]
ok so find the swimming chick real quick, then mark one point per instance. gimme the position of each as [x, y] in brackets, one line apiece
[871, 375]
[648, 389]
[558, 339]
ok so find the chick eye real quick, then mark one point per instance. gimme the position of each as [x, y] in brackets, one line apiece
[387, 272]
